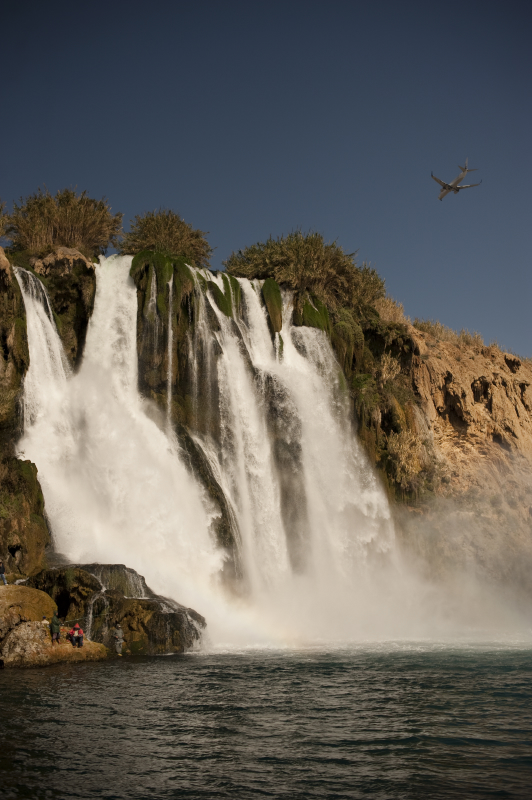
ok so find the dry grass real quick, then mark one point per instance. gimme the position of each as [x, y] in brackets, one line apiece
[391, 311]
[444, 334]
[306, 263]
[164, 231]
[406, 455]
[41, 222]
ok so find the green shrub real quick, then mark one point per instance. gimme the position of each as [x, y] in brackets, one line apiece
[309, 265]
[166, 232]
[42, 222]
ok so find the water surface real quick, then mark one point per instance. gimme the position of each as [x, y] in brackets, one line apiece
[381, 722]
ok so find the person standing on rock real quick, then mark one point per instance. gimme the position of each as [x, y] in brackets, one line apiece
[55, 628]
[119, 639]
[3, 572]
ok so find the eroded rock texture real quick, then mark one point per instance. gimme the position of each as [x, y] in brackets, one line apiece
[474, 421]
[99, 596]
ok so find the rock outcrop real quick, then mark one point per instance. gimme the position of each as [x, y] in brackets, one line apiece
[25, 641]
[24, 534]
[473, 427]
[99, 596]
[71, 285]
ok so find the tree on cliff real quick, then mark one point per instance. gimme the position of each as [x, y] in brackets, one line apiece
[306, 263]
[166, 232]
[43, 221]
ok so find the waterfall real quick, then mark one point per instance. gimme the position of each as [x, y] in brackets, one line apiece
[115, 489]
[169, 352]
[311, 522]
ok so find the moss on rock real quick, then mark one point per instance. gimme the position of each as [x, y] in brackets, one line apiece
[271, 294]
[24, 534]
[222, 300]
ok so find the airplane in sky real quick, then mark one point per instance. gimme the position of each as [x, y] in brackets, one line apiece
[453, 185]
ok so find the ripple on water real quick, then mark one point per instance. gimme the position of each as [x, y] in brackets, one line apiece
[392, 720]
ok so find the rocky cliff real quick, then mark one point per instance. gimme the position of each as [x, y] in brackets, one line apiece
[473, 443]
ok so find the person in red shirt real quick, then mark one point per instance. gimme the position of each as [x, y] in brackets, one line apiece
[76, 636]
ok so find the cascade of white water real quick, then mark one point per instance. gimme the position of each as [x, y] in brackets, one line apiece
[115, 490]
[151, 311]
[347, 515]
[45, 350]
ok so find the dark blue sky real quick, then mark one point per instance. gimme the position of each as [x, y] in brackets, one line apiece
[252, 119]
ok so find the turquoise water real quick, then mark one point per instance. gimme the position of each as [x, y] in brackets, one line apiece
[381, 722]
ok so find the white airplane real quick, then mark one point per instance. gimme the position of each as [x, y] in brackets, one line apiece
[453, 185]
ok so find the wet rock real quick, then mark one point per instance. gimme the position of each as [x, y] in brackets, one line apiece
[70, 281]
[99, 596]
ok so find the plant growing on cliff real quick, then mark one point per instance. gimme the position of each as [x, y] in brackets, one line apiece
[166, 232]
[43, 221]
[444, 334]
[307, 264]
[3, 220]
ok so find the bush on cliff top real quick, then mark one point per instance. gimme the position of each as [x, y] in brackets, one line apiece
[307, 264]
[166, 232]
[43, 221]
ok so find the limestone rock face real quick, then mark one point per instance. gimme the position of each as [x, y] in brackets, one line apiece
[474, 418]
[477, 405]
[24, 534]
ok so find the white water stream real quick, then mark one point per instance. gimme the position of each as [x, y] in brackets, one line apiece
[117, 490]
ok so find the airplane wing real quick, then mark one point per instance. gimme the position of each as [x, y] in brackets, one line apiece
[469, 185]
[445, 185]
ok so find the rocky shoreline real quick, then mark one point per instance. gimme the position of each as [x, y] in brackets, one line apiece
[98, 600]
[25, 640]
